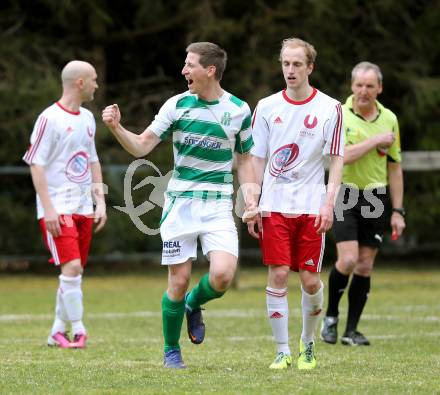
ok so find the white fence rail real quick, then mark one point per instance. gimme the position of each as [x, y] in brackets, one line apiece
[413, 161]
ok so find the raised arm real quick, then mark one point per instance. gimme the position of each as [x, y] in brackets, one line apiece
[138, 145]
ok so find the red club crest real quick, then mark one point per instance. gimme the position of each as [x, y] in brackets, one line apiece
[77, 168]
[308, 124]
[282, 159]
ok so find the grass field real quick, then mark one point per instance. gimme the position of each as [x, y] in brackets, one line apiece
[124, 354]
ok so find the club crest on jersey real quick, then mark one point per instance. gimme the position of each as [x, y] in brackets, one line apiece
[283, 159]
[185, 114]
[77, 168]
[89, 131]
[310, 124]
[226, 118]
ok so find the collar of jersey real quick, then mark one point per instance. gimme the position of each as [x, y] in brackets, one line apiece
[208, 103]
[349, 104]
[299, 103]
[66, 110]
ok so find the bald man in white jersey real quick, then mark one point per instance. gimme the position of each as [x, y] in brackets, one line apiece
[293, 130]
[67, 177]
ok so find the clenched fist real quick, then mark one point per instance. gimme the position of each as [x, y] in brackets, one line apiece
[111, 116]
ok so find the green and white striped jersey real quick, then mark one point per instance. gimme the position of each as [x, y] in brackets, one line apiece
[205, 137]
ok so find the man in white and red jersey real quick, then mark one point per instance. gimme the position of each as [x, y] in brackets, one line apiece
[293, 131]
[67, 176]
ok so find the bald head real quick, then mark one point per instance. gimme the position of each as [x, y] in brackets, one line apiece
[79, 80]
[74, 70]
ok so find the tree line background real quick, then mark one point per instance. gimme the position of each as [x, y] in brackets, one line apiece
[138, 50]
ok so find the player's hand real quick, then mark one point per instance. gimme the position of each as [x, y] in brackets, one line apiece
[255, 226]
[250, 212]
[324, 220]
[385, 140]
[100, 217]
[53, 222]
[111, 116]
[397, 224]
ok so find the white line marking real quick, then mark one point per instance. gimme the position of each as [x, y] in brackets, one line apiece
[232, 313]
[232, 339]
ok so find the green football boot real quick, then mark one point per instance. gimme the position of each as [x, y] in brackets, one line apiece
[306, 360]
[282, 361]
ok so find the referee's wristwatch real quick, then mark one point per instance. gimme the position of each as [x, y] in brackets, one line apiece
[400, 210]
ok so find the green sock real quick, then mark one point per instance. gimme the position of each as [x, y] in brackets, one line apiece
[172, 319]
[202, 293]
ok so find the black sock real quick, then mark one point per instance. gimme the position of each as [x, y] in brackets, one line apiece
[336, 287]
[357, 298]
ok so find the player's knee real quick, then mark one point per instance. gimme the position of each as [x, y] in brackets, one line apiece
[221, 281]
[364, 268]
[72, 268]
[310, 281]
[311, 285]
[278, 276]
[178, 286]
[346, 263]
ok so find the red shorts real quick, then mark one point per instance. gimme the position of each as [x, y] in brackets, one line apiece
[74, 241]
[292, 241]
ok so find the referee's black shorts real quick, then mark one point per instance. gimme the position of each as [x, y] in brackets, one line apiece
[362, 215]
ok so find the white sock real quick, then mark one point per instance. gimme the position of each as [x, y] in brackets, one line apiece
[278, 313]
[72, 298]
[59, 324]
[311, 310]
[78, 327]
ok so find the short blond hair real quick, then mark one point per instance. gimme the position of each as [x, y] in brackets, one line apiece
[294, 42]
